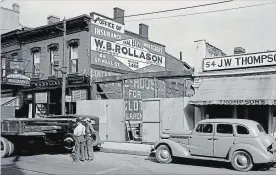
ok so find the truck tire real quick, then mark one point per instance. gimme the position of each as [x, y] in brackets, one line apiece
[4, 147]
[69, 142]
[96, 139]
[11, 146]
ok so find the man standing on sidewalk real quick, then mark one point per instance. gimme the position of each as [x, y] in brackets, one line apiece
[79, 134]
[89, 130]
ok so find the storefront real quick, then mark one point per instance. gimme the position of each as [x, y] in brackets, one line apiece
[242, 91]
[44, 96]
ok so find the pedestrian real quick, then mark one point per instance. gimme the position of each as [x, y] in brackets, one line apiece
[89, 130]
[79, 133]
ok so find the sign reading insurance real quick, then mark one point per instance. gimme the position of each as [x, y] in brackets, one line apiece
[112, 47]
[240, 61]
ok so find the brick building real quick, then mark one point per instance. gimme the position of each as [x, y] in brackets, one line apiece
[96, 46]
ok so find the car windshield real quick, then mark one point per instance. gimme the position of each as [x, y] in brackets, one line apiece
[261, 129]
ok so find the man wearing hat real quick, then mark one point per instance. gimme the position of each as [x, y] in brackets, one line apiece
[79, 133]
[89, 130]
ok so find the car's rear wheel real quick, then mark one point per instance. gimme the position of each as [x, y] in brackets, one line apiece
[163, 154]
[241, 161]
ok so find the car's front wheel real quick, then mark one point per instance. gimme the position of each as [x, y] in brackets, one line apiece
[163, 154]
[241, 161]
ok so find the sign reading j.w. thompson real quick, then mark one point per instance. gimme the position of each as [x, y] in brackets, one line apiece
[240, 61]
[133, 56]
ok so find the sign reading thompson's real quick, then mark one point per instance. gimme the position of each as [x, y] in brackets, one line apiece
[240, 61]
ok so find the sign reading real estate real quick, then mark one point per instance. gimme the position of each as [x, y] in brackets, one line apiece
[113, 48]
[240, 61]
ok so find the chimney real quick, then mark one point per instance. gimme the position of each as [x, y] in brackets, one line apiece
[119, 15]
[16, 7]
[53, 19]
[180, 56]
[144, 30]
[239, 50]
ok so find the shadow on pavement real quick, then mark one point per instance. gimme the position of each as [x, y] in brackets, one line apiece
[12, 169]
[204, 163]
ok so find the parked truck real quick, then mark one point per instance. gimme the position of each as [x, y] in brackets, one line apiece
[35, 133]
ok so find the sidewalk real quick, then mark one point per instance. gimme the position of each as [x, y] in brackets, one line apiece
[126, 148]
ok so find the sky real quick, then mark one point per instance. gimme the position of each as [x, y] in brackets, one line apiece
[251, 28]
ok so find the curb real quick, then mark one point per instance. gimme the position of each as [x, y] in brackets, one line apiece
[129, 152]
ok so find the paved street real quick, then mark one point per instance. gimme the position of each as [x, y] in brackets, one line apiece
[107, 163]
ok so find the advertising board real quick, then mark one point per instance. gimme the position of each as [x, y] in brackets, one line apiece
[112, 47]
[240, 61]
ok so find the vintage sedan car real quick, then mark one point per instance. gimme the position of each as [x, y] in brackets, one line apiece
[241, 142]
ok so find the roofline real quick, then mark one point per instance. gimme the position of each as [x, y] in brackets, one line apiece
[9, 9]
[187, 65]
[136, 34]
[57, 23]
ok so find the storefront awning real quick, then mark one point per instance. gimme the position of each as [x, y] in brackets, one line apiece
[8, 101]
[249, 90]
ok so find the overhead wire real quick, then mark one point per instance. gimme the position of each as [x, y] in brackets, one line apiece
[177, 9]
[199, 13]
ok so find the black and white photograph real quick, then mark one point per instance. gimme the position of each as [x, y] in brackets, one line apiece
[138, 87]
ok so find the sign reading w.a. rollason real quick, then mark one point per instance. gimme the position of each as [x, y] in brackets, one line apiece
[112, 47]
[240, 61]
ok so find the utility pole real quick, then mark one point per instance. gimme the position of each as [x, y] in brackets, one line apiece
[63, 70]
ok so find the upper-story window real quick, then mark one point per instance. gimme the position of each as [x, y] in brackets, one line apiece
[36, 54]
[52, 48]
[74, 56]
[3, 66]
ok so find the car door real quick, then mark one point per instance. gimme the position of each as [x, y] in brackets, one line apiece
[223, 139]
[202, 140]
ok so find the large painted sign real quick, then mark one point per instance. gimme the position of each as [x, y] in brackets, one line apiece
[113, 48]
[15, 73]
[240, 61]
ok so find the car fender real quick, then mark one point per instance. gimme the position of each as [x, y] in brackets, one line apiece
[258, 155]
[177, 149]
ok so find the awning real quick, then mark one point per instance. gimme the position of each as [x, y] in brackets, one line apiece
[247, 90]
[9, 101]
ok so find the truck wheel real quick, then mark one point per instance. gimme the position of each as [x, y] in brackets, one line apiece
[4, 147]
[163, 154]
[96, 139]
[11, 146]
[241, 161]
[69, 142]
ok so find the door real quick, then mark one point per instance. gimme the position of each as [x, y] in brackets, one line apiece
[202, 140]
[223, 139]
[151, 121]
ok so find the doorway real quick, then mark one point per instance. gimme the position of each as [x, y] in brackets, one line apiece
[151, 121]
[259, 114]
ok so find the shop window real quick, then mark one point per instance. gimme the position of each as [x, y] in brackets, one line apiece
[204, 128]
[52, 48]
[74, 57]
[242, 130]
[224, 129]
[219, 111]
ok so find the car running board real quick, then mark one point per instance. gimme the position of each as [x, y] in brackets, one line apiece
[208, 158]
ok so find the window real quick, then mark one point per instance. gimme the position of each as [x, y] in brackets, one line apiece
[52, 48]
[242, 130]
[36, 62]
[205, 128]
[261, 129]
[224, 129]
[73, 59]
[35, 51]
[3, 67]
[52, 62]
